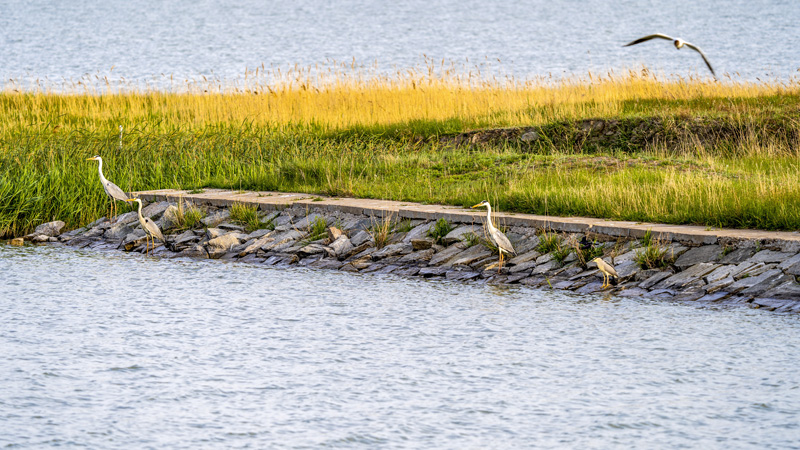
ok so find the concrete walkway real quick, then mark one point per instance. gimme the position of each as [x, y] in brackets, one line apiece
[694, 235]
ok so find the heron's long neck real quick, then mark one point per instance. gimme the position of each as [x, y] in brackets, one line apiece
[100, 170]
[141, 218]
[489, 216]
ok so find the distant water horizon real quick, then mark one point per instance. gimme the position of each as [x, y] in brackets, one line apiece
[159, 45]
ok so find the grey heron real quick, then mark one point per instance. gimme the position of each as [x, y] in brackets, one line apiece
[150, 228]
[112, 190]
[498, 238]
[677, 42]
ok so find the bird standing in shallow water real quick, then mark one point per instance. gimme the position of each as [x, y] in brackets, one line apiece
[112, 190]
[497, 236]
[607, 270]
[150, 228]
[677, 42]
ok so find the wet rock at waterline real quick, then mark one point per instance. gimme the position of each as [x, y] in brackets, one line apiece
[740, 274]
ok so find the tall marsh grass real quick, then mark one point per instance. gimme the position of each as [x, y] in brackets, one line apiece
[379, 138]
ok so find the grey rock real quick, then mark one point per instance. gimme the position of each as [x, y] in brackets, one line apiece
[327, 263]
[212, 233]
[544, 259]
[361, 237]
[750, 281]
[703, 254]
[789, 289]
[118, 231]
[459, 233]
[627, 268]
[41, 238]
[625, 257]
[772, 304]
[169, 218]
[227, 226]
[738, 256]
[690, 295]
[311, 249]
[530, 136]
[791, 265]
[258, 234]
[334, 233]
[468, 256]
[47, 229]
[155, 210]
[224, 242]
[526, 266]
[546, 267]
[281, 239]
[216, 218]
[282, 220]
[418, 232]
[530, 255]
[769, 256]
[308, 221]
[447, 253]
[766, 284]
[422, 244]
[691, 276]
[255, 245]
[418, 256]
[590, 288]
[128, 217]
[719, 285]
[342, 246]
[432, 271]
[186, 236]
[712, 297]
[194, 251]
[461, 275]
[749, 269]
[524, 244]
[398, 249]
[654, 279]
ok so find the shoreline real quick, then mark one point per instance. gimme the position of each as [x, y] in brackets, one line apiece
[751, 268]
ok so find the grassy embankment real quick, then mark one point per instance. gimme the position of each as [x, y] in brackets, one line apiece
[685, 151]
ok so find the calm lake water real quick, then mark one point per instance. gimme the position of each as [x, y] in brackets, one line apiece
[142, 40]
[110, 350]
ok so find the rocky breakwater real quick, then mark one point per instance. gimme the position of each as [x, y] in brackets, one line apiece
[746, 272]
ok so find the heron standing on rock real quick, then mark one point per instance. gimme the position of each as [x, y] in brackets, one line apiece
[150, 228]
[677, 42]
[112, 190]
[498, 238]
[607, 270]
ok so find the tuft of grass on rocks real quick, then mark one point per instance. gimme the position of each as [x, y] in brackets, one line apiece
[381, 231]
[246, 215]
[439, 230]
[188, 216]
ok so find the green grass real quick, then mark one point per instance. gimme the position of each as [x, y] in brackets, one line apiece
[737, 168]
[439, 230]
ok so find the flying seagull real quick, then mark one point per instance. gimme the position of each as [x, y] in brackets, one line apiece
[678, 43]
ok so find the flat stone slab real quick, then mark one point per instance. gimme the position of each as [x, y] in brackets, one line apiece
[270, 201]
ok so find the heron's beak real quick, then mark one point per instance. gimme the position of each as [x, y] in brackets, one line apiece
[475, 206]
[131, 200]
[90, 159]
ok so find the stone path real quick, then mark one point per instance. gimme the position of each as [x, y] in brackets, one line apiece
[692, 235]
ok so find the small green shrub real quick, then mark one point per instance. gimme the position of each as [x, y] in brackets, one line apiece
[381, 231]
[187, 217]
[654, 256]
[439, 230]
[471, 239]
[548, 242]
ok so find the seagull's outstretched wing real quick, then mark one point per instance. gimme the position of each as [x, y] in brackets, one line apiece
[647, 38]
[697, 49]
